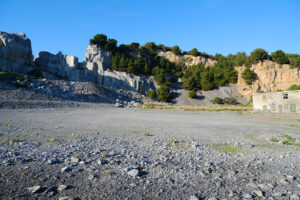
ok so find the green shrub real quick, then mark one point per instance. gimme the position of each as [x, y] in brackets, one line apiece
[16, 139]
[249, 76]
[176, 50]
[6, 140]
[229, 101]
[294, 87]
[7, 76]
[192, 94]
[258, 55]
[217, 100]
[151, 94]
[280, 57]
[53, 139]
[163, 93]
[274, 140]
[240, 59]
[295, 61]
[194, 52]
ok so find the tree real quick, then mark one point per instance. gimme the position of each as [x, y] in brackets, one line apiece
[99, 39]
[240, 59]
[163, 93]
[151, 94]
[294, 87]
[207, 80]
[295, 61]
[258, 55]
[249, 76]
[150, 45]
[134, 46]
[280, 57]
[176, 50]
[111, 45]
[194, 52]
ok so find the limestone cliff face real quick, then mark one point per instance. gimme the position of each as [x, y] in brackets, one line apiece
[271, 77]
[188, 60]
[15, 53]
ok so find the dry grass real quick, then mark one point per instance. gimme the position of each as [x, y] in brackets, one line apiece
[198, 108]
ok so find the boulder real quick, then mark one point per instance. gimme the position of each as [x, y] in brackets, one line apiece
[15, 53]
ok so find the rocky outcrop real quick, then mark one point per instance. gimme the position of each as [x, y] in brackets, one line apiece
[98, 61]
[188, 60]
[63, 66]
[15, 53]
[95, 68]
[271, 77]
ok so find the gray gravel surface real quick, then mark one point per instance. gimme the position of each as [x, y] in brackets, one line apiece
[104, 152]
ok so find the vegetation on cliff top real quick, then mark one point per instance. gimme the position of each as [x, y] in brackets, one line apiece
[144, 60]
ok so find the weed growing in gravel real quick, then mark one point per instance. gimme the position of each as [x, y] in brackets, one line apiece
[199, 108]
[103, 154]
[273, 139]
[16, 139]
[296, 144]
[106, 172]
[227, 149]
[294, 126]
[53, 139]
[171, 140]
[146, 134]
[6, 140]
[76, 155]
[297, 120]
[240, 112]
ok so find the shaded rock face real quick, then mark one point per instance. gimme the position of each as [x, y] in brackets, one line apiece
[15, 53]
[271, 77]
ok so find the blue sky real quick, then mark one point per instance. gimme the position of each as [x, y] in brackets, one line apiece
[212, 26]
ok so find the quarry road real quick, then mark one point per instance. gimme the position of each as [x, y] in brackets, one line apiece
[104, 152]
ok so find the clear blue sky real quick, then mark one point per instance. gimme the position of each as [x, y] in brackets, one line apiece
[212, 26]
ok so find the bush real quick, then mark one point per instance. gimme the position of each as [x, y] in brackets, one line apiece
[151, 94]
[176, 50]
[280, 57]
[217, 100]
[240, 59]
[7, 76]
[192, 94]
[111, 45]
[295, 61]
[163, 93]
[258, 55]
[249, 76]
[230, 101]
[294, 87]
[194, 52]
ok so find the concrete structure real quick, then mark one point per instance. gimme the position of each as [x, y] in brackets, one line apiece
[278, 102]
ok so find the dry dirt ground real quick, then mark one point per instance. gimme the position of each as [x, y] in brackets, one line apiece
[104, 152]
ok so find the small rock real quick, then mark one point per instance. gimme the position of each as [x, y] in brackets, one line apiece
[259, 193]
[74, 160]
[90, 177]
[100, 162]
[194, 197]
[35, 189]
[134, 172]
[62, 187]
[65, 169]
[53, 161]
[65, 198]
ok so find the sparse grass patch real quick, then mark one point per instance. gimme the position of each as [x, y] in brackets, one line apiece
[171, 140]
[296, 144]
[146, 134]
[274, 139]
[6, 140]
[297, 120]
[103, 154]
[16, 139]
[106, 172]
[199, 108]
[294, 125]
[227, 148]
[53, 139]
[266, 145]
[240, 112]
[76, 154]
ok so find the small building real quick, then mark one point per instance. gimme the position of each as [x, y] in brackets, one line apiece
[277, 102]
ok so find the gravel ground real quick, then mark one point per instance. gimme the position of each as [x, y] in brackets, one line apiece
[104, 152]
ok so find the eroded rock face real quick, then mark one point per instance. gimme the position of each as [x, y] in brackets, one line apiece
[271, 77]
[63, 66]
[96, 59]
[188, 60]
[15, 53]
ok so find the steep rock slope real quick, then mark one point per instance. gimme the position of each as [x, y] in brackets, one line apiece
[271, 77]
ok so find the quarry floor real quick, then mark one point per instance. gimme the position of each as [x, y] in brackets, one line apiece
[177, 154]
